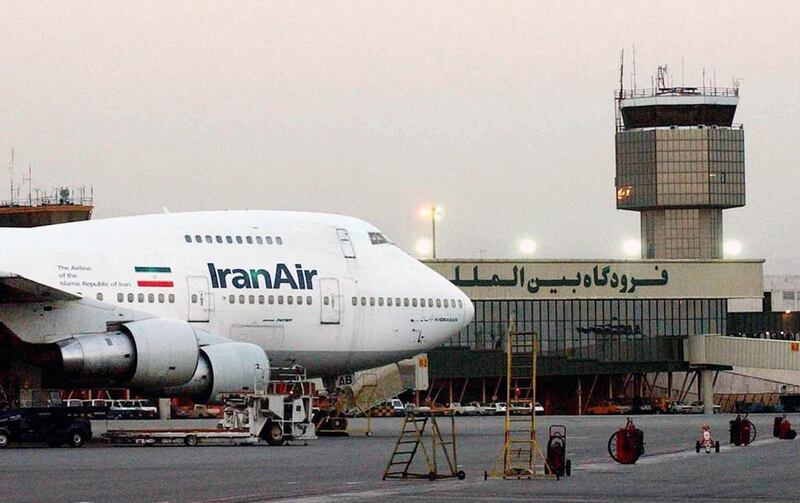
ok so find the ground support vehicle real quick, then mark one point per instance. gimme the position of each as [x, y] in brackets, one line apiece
[557, 461]
[277, 414]
[626, 445]
[706, 441]
[55, 426]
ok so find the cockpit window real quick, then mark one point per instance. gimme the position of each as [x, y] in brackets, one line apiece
[377, 238]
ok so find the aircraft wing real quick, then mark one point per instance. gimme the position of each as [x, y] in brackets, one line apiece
[18, 289]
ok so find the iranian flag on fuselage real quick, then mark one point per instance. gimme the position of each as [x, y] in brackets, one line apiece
[148, 276]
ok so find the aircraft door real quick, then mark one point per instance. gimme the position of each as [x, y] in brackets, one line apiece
[199, 299]
[330, 301]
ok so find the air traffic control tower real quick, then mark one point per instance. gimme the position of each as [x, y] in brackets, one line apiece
[680, 162]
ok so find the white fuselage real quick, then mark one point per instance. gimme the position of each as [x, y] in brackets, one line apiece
[324, 291]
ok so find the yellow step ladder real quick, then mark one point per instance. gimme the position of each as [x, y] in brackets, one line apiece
[521, 452]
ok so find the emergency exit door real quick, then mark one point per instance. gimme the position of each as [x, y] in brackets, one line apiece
[330, 302]
[199, 299]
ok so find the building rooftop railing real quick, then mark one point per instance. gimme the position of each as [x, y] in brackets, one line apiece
[676, 91]
[62, 196]
[621, 127]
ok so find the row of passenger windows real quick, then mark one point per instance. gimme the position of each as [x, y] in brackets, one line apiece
[141, 298]
[269, 299]
[161, 298]
[234, 239]
[406, 302]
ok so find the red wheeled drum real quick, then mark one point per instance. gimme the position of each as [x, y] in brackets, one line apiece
[782, 429]
[742, 431]
[626, 445]
[557, 462]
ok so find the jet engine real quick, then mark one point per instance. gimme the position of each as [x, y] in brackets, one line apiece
[225, 368]
[162, 356]
[146, 354]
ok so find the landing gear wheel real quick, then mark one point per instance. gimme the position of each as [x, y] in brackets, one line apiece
[697, 446]
[274, 434]
[76, 438]
[716, 446]
[431, 475]
[461, 475]
[568, 468]
[190, 441]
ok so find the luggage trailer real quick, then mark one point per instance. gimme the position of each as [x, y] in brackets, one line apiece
[280, 413]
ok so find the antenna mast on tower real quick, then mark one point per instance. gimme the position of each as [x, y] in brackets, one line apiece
[11, 175]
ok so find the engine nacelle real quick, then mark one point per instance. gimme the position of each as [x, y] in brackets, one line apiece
[148, 354]
[229, 367]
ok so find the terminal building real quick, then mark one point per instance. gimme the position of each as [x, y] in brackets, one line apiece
[611, 328]
[605, 327]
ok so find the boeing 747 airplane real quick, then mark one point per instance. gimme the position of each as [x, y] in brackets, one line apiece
[191, 304]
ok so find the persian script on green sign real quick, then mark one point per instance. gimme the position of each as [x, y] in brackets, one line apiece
[598, 277]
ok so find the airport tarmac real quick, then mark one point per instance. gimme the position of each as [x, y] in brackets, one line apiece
[350, 469]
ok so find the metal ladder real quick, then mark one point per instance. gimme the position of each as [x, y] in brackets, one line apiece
[520, 434]
[412, 440]
[521, 451]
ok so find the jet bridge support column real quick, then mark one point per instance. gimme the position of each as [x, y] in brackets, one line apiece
[707, 390]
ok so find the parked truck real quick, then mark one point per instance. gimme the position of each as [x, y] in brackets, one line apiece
[55, 426]
[279, 413]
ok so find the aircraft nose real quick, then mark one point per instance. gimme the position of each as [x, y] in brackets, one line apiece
[469, 307]
[470, 310]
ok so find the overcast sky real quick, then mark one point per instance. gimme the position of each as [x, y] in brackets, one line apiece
[502, 113]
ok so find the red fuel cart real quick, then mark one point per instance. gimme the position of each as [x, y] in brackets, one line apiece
[782, 429]
[706, 441]
[742, 431]
[626, 445]
[557, 462]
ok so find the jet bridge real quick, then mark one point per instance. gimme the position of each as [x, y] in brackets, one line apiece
[707, 353]
[721, 350]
